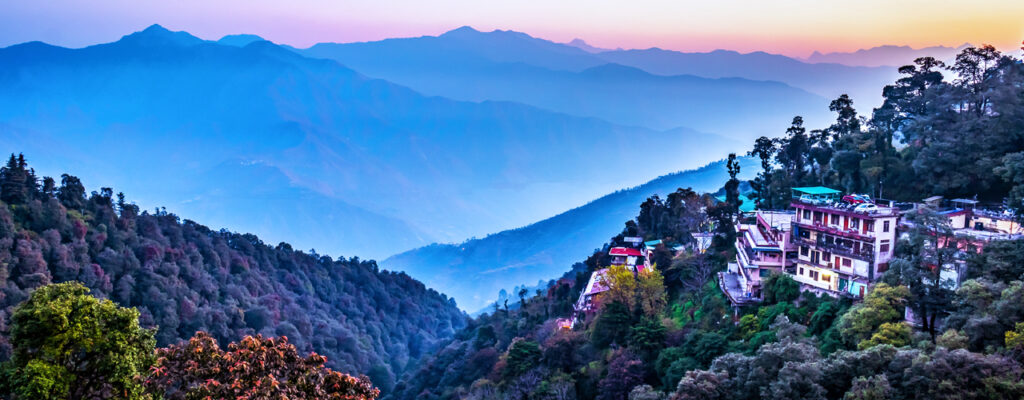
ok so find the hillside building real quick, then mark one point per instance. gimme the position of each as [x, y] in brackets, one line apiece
[634, 257]
[842, 246]
[763, 246]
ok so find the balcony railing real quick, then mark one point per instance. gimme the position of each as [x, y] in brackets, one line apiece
[864, 253]
[834, 230]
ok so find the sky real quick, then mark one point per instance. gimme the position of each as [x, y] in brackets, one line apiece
[790, 27]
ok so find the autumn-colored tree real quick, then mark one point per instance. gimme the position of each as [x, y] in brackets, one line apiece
[70, 345]
[896, 334]
[622, 286]
[651, 292]
[253, 368]
[883, 304]
[1015, 338]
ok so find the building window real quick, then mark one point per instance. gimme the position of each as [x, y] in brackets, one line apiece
[804, 251]
[813, 274]
[826, 278]
[835, 219]
[885, 226]
[847, 262]
[884, 248]
[807, 214]
[869, 226]
[801, 270]
[854, 223]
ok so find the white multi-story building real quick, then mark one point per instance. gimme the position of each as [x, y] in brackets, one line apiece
[763, 247]
[842, 246]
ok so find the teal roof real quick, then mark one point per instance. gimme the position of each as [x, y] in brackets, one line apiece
[652, 242]
[816, 190]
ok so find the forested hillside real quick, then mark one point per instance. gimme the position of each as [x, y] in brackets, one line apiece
[672, 333]
[184, 277]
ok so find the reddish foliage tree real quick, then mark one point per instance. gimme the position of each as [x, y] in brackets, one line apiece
[624, 372]
[253, 368]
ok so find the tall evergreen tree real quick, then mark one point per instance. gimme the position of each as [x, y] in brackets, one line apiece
[14, 181]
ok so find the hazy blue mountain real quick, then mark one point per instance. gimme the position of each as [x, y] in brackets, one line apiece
[469, 65]
[475, 271]
[240, 40]
[322, 221]
[828, 80]
[159, 113]
[583, 45]
[889, 55]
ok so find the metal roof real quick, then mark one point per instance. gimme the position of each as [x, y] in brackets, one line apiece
[624, 251]
[816, 190]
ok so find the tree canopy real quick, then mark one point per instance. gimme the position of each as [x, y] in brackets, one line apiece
[68, 344]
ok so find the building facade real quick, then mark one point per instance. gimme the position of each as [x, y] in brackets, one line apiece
[842, 246]
[763, 247]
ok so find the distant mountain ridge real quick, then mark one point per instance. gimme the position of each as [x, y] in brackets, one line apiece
[476, 270]
[466, 64]
[159, 113]
[583, 45]
[466, 49]
[887, 55]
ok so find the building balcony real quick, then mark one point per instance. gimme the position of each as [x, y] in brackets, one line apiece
[863, 254]
[752, 258]
[834, 230]
[736, 292]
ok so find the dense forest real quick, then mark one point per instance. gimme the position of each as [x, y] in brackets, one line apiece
[932, 136]
[184, 277]
[676, 336]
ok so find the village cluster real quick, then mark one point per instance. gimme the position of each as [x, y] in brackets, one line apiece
[830, 243]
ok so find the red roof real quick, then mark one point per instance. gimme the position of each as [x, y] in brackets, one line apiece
[624, 251]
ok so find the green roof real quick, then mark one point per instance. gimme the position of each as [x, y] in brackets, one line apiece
[816, 190]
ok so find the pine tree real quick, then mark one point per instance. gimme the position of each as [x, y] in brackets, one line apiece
[14, 181]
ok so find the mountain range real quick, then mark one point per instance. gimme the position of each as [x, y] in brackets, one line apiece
[546, 249]
[654, 88]
[889, 55]
[164, 114]
[372, 149]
